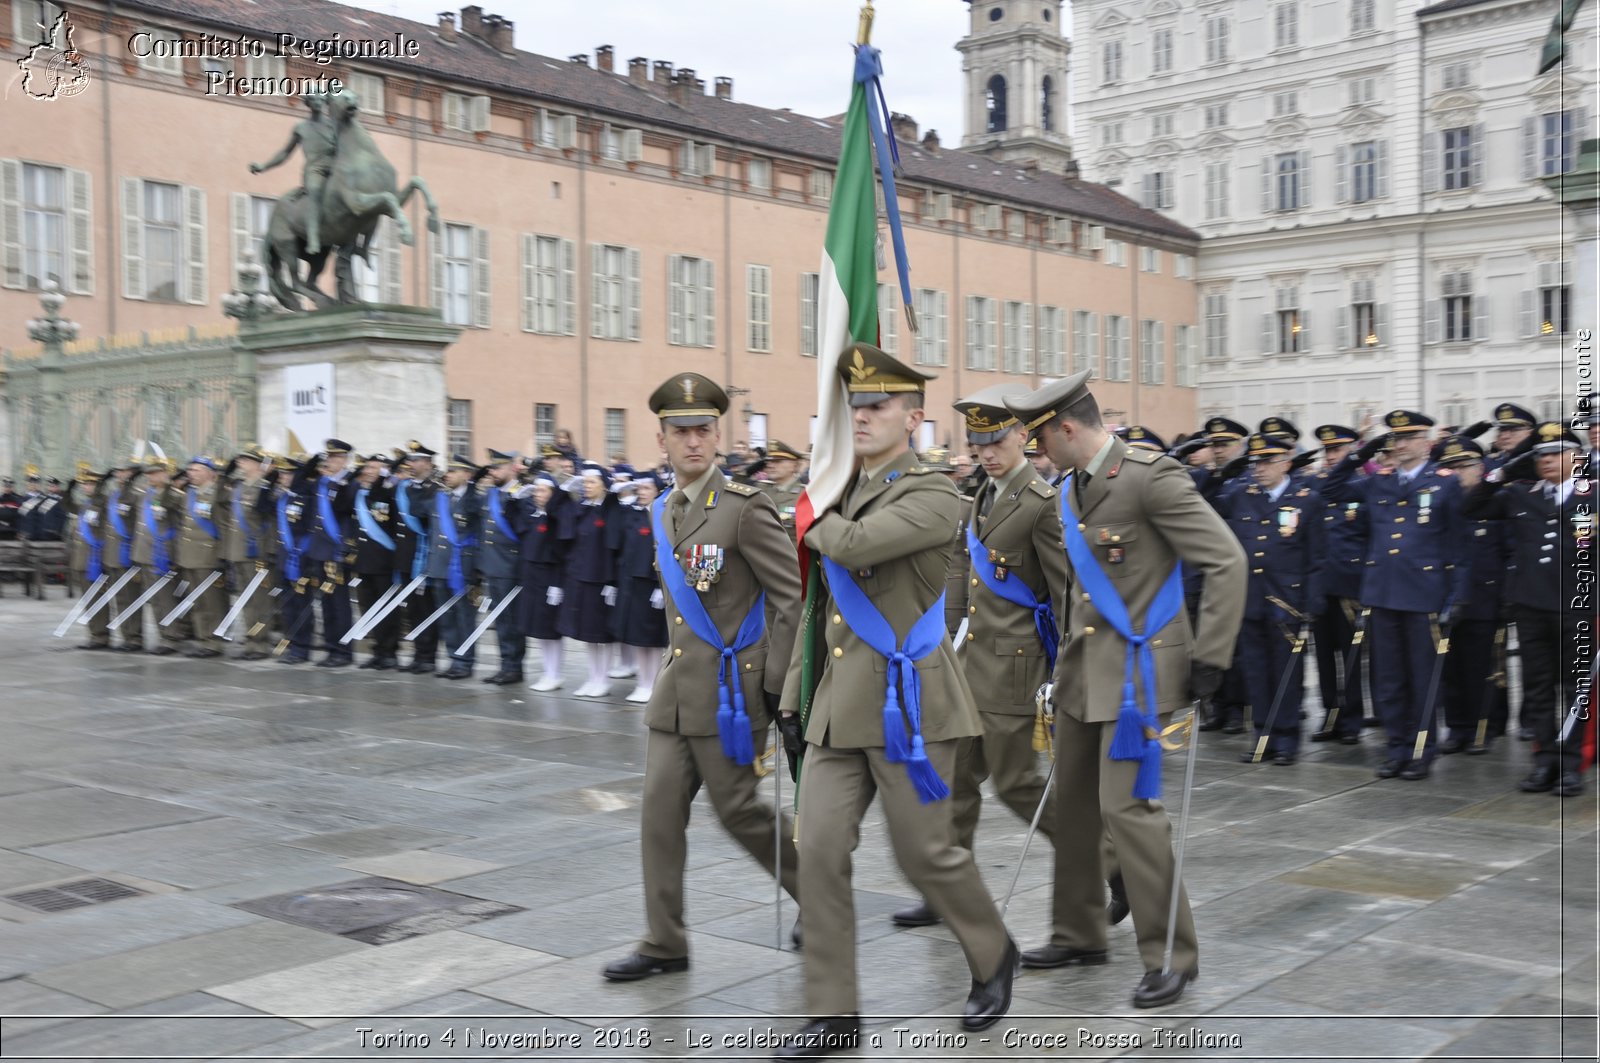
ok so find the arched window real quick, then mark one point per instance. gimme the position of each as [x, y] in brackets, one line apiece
[995, 100]
[1047, 105]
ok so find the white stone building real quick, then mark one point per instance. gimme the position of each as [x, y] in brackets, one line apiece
[1364, 173]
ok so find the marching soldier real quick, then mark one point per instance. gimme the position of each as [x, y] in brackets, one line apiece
[1412, 585]
[413, 501]
[118, 522]
[499, 561]
[1228, 459]
[546, 536]
[888, 710]
[1344, 536]
[1279, 526]
[199, 553]
[452, 555]
[955, 611]
[292, 497]
[322, 521]
[1130, 517]
[85, 551]
[783, 484]
[1512, 426]
[720, 550]
[369, 498]
[247, 543]
[152, 552]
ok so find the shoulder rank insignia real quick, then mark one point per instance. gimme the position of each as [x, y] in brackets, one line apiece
[1042, 489]
[711, 500]
[741, 489]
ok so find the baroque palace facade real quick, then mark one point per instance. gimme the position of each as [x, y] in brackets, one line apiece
[604, 223]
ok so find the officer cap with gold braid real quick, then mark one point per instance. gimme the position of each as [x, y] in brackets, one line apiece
[1336, 435]
[1264, 447]
[1140, 436]
[500, 457]
[986, 414]
[416, 451]
[333, 448]
[461, 461]
[779, 449]
[1280, 426]
[936, 459]
[1456, 450]
[253, 452]
[1554, 437]
[1510, 415]
[688, 400]
[1225, 430]
[1035, 409]
[1402, 422]
[870, 375]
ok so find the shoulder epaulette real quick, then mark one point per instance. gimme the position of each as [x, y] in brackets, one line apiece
[919, 470]
[740, 489]
[1142, 456]
[1042, 489]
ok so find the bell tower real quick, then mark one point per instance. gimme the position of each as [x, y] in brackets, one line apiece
[1014, 59]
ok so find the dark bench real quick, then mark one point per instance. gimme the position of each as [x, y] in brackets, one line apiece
[14, 561]
[49, 559]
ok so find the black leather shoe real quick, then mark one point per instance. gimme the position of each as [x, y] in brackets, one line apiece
[1452, 745]
[1117, 908]
[94, 645]
[458, 671]
[1571, 785]
[1350, 740]
[1540, 780]
[819, 1037]
[163, 651]
[917, 915]
[368, 664]
[1283, 758]
[420, 667]
[1047, 956]
[1415, 771]
[202, 652]
[1234, 725]
[637, 965]
[796, 935]
[334, 662]
[253, 655]
[1324, 736]
[1390, 769]
[990, 1000]
[1157, 989]
[1248, 756]
[385, 664]
[1210, 718]
[293, 658]
[1477, 749]
[503, 678]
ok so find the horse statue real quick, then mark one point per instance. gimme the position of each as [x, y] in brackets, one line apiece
[357, 191]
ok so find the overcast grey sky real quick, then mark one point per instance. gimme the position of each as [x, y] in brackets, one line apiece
[780, 53]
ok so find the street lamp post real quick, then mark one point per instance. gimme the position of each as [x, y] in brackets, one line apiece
[52, 331]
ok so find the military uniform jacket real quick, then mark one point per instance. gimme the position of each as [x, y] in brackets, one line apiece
[756, 556]
[1345, 529]
[1004, 660]
[326, 544]
[418, 495]
[194, 547]
[894, 534]
[118, 499]
[27, 514]
[77, 546]
[372, 558]
[1489, 563]
[498, 553]
[467, 512]
[955, 575]
[162, 502]
[786, 497]
[1140, 515]
[49, 519]
[1417, 536]
[1283, 544]
[1552, 546]
[247, 514]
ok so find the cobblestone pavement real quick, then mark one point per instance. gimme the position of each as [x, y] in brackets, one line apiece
[1340, 917]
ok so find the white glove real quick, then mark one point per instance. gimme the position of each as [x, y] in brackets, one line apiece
[656, 601]
[609, 594]
[553, 596]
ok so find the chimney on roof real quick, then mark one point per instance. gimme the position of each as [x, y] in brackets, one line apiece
[581, 58]
[724, 88]
[682, 86]
[472, 21]
[447, 25]
[930, 140]
[663, 72]
[1073, 173]
[639, 70]
[603, 58]
[497, 32]
[904, 127]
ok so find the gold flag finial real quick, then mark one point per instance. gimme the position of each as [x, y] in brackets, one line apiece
[864, 30]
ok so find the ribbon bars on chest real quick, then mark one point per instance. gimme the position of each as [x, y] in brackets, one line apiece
[924, 638]
[1138, 733]
[733, 721]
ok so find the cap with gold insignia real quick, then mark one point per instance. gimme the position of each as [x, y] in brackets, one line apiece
[1510, 415]
[1264, 447]
[1400, 422]
[779, 449]
[87, 473]
[153, 464]
[381, 458]
[415, 450]
[687, 400]
[1456, 450]
[500, 457]
[1555, 437]
[870, 375]
[1336, 435]
[461, 461]
[335, 447]
[937, 459]
[31, 471]
[986, 414]
[1140, 436]
[1280, 426]
[1032, 447]
[1225, 430]
[1037, 408]
[126, 463]
[251, 452]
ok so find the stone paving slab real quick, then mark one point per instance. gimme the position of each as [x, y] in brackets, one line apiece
[420, 867]
[46, 816]
[21, 998]
[104, 930]
[372, 841]
[175, 1029]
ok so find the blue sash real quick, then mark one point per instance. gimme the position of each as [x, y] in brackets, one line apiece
[251, 550]
[1138, 735]
[124, 540]
[456, 577]
[419, 556]
[205, 524]
[292, 548]
[498, 514]
[733, 722]
[1017, 593]
[369, 524]
[96, 548]
[160, 559]
[924, 638]
[330, 523]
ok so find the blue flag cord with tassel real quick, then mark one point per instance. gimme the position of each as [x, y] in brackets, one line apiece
[869, 72]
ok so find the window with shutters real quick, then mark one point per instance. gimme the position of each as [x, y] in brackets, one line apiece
[1183, 267]
[1110, 62]
[616, 292]
[616, 432]
[1152, 352]
[1363, 16]
[1455, 290]
[1018, 356]
[1289, 322]
[1117, 344]
[1158, 189]
[822, 184]
[889, 318]
[1557, 143]
[1149, 260]
[1086, 343]
[1365, 324]
[456, 277]
[1554, 298]
[1288, 181]
[1163, 125]
[1285, 104]
[163, 241]
[692, 301]
[549, 285]
[1363, 91]
[369, 91]
[455, 112]
[1216, 190]
[1286, 26]
[544, 423]
[981, 328]
[268, 65]
[1215, 116]
[1455, 76]
[32, 21]
[933, 332]
[758, 174]
[758, 307]
[379, 281]
[1364, 167]
[44, 226]
[1161, 50]
[1110, 134]
[1217, 33]
[1187, 363]
[809, 290]
[1216, 325]
[608, 142]
[1052, 341]
[161, 50]
[252, 215]
[1457, 157]
[1114, 253]
[696, 160]
[460, 426]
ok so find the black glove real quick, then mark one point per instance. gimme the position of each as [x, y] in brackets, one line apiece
[1476, 429]
[1370, 448]
[227, 470]
[1189, 446]
[1204, 680]
[794, 745]
[1234, 468]
[1302, 460]
[1521, 467]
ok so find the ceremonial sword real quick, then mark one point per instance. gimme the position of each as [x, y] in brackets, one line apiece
[110, 595]
[1183, 836]
[378, 614]
[193, 596]
[138, 603]
[1288, 671]
[238, 606]
[359, 628]
[499, 608]
[411, 635]
[79, 606]
[1041, 698]
[1428, 716]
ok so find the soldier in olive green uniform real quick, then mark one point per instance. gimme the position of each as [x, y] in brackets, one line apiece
[727, 548]
[783, 486]
[116, 525]
[79, 504]
[153, 536]
[883, 722]
[199, 553]
[247, 538]
[1136, 514]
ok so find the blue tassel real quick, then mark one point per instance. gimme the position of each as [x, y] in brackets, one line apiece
[725, 729]
[1127, 742]
[894, 730]
[923, 776]
[1147, 784]
[744, 745]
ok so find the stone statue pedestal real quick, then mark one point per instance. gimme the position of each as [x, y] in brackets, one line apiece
[369, 374]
